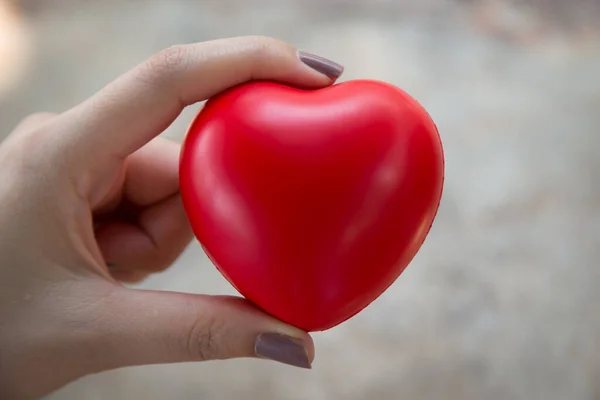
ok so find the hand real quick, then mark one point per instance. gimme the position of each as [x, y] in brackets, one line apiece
[89, 199]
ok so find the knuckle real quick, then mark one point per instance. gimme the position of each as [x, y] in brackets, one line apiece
[165, 63]
[29, 158]
[32, 124]
[36, 119]
[261, 51]
[172, 57]
[27, 146]
[262, 46]
[204, 339]
[33, 141]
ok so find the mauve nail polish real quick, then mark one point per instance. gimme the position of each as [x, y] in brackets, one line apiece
[327, 67]
[282, 348]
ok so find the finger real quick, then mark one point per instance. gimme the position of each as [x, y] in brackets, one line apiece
[143, 102]
[151, 175]
[152, 172]
[166, 327]
[152, 244]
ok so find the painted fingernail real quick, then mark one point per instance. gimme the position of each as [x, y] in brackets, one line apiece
[283, 349]
[326, 67]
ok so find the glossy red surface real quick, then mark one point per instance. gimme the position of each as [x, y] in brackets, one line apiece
[311, 203]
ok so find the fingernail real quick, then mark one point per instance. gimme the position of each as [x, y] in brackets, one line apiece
[283, 349]
[326, 67]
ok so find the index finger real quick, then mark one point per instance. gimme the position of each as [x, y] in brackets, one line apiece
[139, 105]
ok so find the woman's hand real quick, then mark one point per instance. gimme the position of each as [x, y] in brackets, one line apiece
[89, 198]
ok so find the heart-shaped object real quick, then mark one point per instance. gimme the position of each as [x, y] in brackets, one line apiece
[312, 202]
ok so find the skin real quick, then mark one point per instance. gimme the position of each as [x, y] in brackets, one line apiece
[96, 185]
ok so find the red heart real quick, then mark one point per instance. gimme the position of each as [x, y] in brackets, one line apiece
[312, 202]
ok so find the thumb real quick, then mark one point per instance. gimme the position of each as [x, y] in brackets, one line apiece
[154, 327]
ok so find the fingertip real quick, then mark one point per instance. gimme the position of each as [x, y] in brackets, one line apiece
[309, 346]
[298, 334]
[281, 61]
[284, 349]
[273, 338]
[328, 68]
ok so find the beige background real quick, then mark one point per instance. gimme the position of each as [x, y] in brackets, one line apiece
[502, 301]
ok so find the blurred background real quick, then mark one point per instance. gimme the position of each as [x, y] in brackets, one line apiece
[502, 301]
